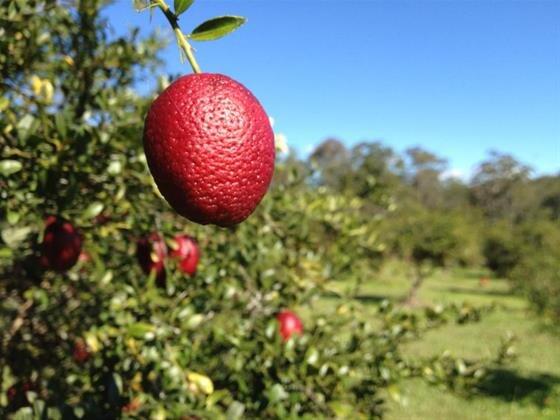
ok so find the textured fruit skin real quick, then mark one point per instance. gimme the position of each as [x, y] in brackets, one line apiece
[210, 148]
[62, 244]
[187, 253]
[290, 324]
[151, 252]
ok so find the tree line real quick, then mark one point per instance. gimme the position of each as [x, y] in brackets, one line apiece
[503, 217]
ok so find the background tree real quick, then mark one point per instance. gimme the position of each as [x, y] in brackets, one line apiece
[424, 170]
[499, 186]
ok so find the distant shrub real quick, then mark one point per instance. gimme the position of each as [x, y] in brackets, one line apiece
[539, 277]
[537, 272]
[501, 250]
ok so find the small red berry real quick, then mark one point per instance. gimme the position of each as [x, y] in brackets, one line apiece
[12, 393]
[17, 393]
[151, 253]
[132, 406]
[61, 245]
[290, 324]
[84, 257]
[187, 253]
[81, 352]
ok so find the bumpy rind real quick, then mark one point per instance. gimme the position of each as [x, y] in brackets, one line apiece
[210, 148]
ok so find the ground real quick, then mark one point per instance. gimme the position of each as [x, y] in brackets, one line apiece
[528, 388]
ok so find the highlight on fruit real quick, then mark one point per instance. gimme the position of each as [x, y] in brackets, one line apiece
[186, 252]
[289, 324]
[153, 254]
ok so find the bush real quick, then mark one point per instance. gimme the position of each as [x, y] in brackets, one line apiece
[502, 250]
[538, 276]
[537, 272]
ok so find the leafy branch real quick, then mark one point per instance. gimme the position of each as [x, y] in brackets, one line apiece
[209, 30]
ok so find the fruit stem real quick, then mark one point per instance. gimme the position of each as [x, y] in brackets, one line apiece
[181, 39]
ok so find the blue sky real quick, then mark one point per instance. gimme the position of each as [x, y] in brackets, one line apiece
[459, 78]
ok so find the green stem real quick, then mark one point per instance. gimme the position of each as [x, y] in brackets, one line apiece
[181, 39]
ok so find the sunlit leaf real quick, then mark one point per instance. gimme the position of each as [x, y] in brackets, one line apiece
[9, 167]
[216, 28]
[181, 6]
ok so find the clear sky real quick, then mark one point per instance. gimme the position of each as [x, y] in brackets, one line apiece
[459, 78]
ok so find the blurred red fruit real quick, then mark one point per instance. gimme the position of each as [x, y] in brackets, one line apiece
[290, 324]
[80, 353]
[132, 406]
[61, 245]
[210, 148]
[151, 253]
[102, 219]
[17, 394]
[84, 257]
[187, 253]
[12, 393]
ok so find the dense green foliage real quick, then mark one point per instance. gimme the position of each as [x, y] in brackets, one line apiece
[207, 346]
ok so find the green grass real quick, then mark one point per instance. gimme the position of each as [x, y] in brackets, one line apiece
[528, 388]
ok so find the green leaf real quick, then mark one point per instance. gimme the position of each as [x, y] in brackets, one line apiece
[6, 253]
[140, 5]
[114, 168]
[312, 356]
[342, 409]
[270, 330]
[141, 330]
[60, 122]
[4, 103]
[194, 321]
[14, 236]
[9, 167]
[93, 210]
[216, 28]
[395, 392]
[12, 217]
[277, 393]
[235, 411]
[181, 5]
[25, 413]
[25, 123]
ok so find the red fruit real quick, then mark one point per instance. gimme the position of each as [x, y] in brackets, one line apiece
[17, 394]
[12, 393]
[187, 253]
[61, 245]
[102, 219]
[210, 148]
[151, 252]
[132, 406]
[84, 257]
[290, 324]
[81, 352]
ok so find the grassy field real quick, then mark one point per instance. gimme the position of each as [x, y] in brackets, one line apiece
[528, 388]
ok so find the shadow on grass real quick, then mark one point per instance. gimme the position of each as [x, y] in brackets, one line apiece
[373, 298]
[366, 298]
[482, 292]
[475, 274]
[509, 386]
